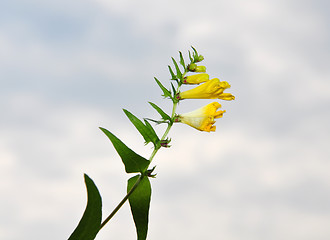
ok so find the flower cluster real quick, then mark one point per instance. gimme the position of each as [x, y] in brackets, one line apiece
[202, 118]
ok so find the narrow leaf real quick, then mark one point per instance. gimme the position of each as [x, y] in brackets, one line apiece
[132, 161]
[178, 72]
[156, 121]
[166, 92]
[148, 125]
[140, 202]
[148, 135]
[172, 73]
[157, 142]
[190, 57]
[90, 222]
[195, 51]
[160, 111]
[195, 54]
[182, 61]
[173, 89]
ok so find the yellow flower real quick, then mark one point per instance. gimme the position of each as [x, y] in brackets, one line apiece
[196, 78]
[209, 90]
[202, 118]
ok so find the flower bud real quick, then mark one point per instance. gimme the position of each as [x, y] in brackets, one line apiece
[196, 78]
[199, 58]
[192, 67]
[200, 69]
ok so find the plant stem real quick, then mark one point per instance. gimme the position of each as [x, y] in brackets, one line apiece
[141, 176]
[136, 184]
[122, 201]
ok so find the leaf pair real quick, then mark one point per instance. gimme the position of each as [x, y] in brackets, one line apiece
[138, 187]
[139, 201]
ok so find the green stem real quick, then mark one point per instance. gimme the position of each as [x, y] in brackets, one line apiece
[122, 201]
[136, 184]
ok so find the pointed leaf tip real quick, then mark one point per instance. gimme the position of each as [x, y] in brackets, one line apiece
[166, 92]
[133, 162]
[164, 115]
[148, 134]
[90, 222]
[140, 202]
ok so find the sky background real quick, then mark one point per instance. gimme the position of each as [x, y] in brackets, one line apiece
[69, 67]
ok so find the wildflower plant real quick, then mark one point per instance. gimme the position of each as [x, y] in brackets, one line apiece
[138, 186]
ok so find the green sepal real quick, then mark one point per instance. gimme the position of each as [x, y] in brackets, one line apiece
[166, 92]
[133, 162]
[148, 134]
[164, 115]
[139, 202]
[90, 223]
[178, 72]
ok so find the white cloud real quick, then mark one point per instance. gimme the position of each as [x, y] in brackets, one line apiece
[265, 170]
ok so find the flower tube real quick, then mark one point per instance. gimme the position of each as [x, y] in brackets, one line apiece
[203, 118]
[211, 89]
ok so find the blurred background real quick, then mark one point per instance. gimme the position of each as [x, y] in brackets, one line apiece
[69, 67]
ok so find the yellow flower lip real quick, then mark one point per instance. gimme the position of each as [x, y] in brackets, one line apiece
[203, 118]
[211, 89]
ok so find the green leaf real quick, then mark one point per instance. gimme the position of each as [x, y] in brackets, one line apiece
[182, 61]
[173, 89]
[90, 222]
[178, 72]
[166, 92]
[195, 54]
[133, 162]
[195, 51]
[148, 135]
[148, 125]
[160, 111]
[190, 57]
[172, 73]
[139, 202]
[156, 121]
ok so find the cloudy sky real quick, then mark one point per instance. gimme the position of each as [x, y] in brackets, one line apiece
[68, 67]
